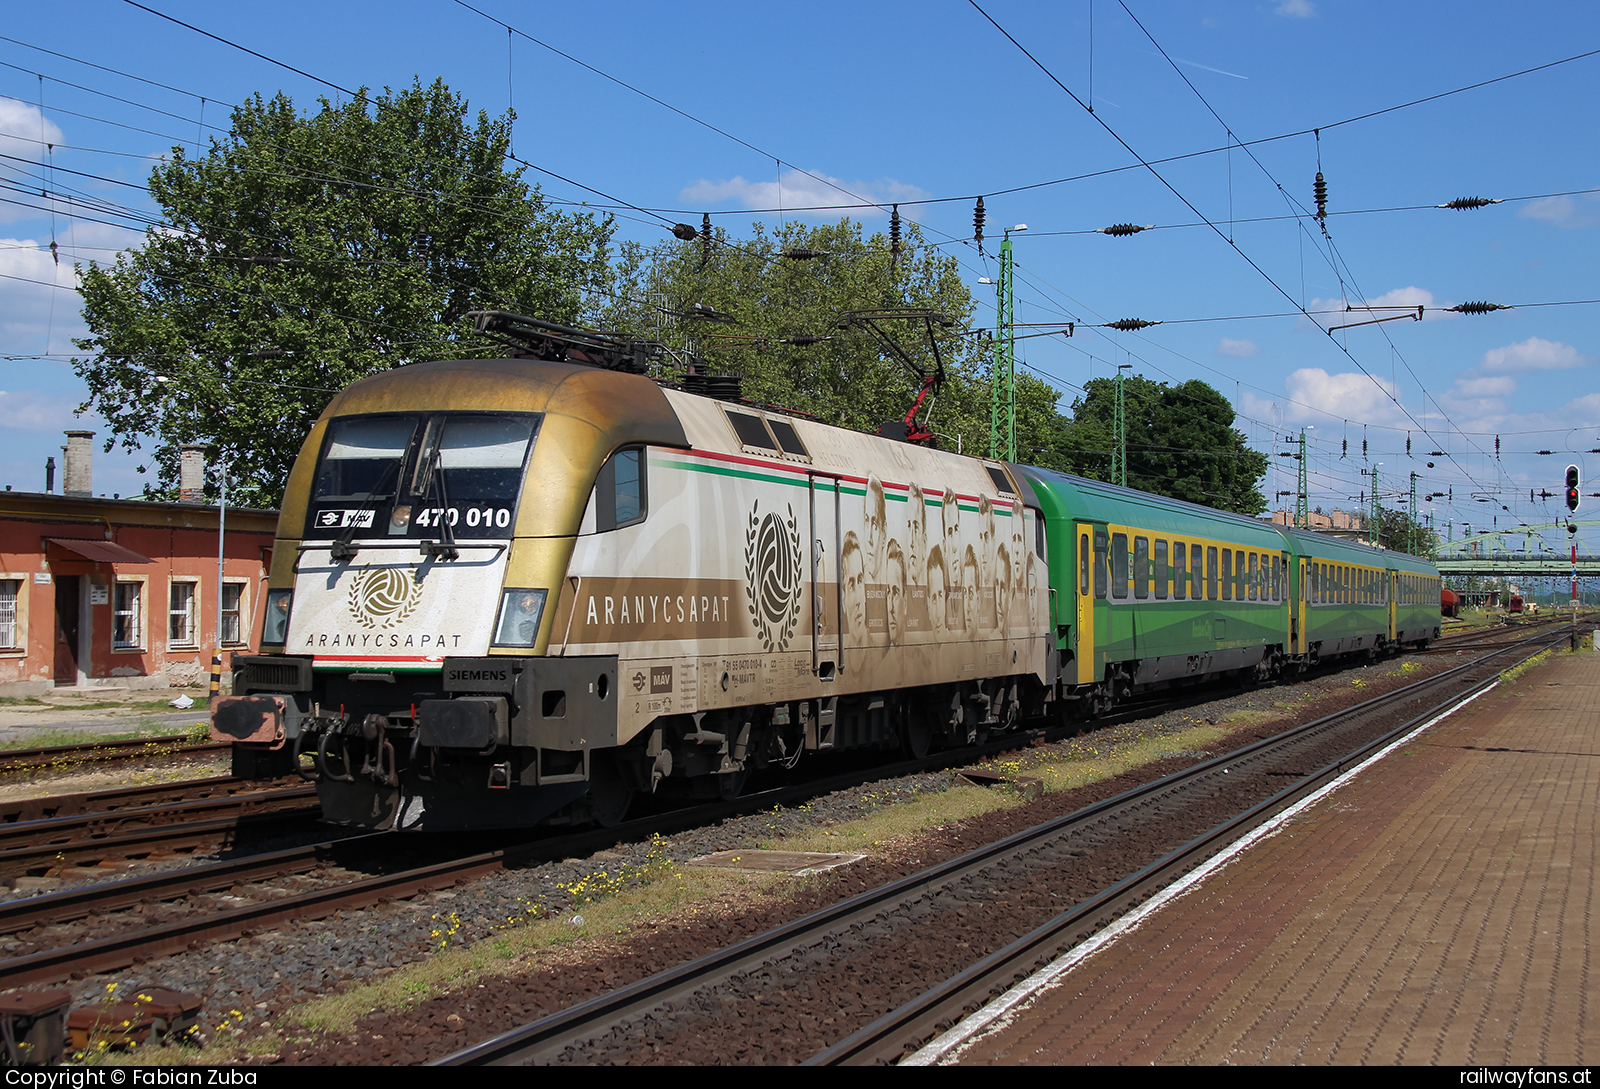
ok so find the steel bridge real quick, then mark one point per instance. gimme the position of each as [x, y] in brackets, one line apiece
[1518, 552]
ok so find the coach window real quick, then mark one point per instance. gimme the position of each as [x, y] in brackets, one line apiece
[1100, 564]
[1180, 570]
[1255, 593]
[1277, 578]
[1141, 567]
[1227, 574]
[1163, 575]
[1083, 564]
[1119, 565]
[1196, 573]
[1211, 572]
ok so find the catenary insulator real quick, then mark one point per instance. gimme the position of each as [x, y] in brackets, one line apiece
[1344, 449]
[1320, 188]
[1477, 307]
[1463, 204]
[803, 340]
[977, 224]
[683, 232]
[1408, 444]
[894, 235]
[705, 240]
[1117, 230]
[1129, 325]
[801, 253]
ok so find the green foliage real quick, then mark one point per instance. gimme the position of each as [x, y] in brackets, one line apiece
[307, 251]
[1402, 534]
[848, 378]
[1181, 443]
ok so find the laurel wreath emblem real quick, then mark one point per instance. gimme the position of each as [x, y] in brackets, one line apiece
[772, 576]
[381, 597]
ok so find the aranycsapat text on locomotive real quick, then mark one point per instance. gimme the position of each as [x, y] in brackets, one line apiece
[512, 591]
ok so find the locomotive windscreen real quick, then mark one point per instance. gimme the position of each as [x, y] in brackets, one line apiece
[404, 476]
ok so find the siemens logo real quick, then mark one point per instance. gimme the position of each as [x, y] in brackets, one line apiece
[477, 675]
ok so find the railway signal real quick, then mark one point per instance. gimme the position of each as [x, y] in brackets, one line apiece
[1572, 487]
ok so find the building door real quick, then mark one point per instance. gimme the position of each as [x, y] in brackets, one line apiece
[68, 612]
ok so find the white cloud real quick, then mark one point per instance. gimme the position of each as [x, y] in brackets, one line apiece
[793, 189]
[1332, 313]
[36, 317]
[1495, 385]
[30, 410]
[1533, 354]
[1240, 349]
[1297, 9]
[1315, 396]
[1559, 211]
[23, 132]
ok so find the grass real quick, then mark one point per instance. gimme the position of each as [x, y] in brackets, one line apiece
[48, 738]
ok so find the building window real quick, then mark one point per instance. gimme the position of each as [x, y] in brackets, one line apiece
[9, 635]
[180, 615]
[232, 613]
[127, 619]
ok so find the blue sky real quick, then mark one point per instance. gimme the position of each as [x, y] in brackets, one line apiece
[907, 102]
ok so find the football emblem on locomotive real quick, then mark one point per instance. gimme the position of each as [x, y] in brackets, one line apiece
[383, 596]
[772, 576]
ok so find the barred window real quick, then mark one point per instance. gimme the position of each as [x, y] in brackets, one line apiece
[180, 615]
[127, 618]
[9, 636]
[232, 595]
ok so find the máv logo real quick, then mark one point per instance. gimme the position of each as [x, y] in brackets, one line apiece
[772, 576]
[381, 597]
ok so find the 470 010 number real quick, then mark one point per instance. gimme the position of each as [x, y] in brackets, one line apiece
[498, 517]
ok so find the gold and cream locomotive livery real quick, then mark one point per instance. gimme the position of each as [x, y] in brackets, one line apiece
[521, 590]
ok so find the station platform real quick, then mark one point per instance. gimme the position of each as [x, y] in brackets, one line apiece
[1438, 908]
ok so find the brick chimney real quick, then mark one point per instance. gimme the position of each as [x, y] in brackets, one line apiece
[77, 478]
[192, 474]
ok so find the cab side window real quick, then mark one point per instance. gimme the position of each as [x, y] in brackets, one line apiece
[619, 491]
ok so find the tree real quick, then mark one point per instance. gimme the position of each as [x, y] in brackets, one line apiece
[1181, 443]
[306, 251]
[1400, 532]
[777, 302]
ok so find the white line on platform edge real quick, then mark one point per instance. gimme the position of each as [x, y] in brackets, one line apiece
[1000, 1013]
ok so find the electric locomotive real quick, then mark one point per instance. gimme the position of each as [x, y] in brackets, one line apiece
[517, 591]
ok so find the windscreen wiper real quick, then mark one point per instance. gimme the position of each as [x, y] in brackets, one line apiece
[342, 548]
[445, 546]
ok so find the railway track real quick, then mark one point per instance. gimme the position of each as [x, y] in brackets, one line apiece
[56, 757]
[93, 928]
[772, 986]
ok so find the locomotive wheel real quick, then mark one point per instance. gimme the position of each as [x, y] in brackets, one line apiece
[609, 794]
[917, 733]
[730, 785]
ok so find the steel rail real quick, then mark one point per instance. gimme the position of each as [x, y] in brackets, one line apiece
[128, 748]
[887, 1039]
[109, 801]
[575, 1025]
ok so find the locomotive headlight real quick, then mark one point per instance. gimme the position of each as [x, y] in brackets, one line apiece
[399, 520]
[275, 626]
[520, 612]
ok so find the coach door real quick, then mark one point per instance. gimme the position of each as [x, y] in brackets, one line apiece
[1392, 581]
[1089, 547]
[827, 586]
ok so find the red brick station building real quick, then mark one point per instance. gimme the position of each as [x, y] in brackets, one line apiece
[123, 592]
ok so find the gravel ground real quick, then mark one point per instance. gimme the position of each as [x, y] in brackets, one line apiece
[261, 976]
